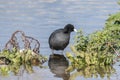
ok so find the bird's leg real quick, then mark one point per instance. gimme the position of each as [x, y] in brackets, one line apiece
[62, 52]
[52, 51]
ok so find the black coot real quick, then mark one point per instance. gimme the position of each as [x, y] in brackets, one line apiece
[59, 39]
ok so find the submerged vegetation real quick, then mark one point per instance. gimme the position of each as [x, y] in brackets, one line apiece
[99, 48]
[14, 55]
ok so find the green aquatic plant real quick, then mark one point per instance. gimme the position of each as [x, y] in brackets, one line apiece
[26, 56]
[16, 69]
[4, 70]
[99, 48]
[15, 57]
[93, 71]
[81, 59]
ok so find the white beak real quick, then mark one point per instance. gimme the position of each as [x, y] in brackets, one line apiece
[75, 30]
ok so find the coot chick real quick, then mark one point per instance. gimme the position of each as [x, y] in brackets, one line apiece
[59, 39]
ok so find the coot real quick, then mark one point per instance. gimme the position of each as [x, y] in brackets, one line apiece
[59, 39]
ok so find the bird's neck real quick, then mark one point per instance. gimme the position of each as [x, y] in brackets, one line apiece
[67, 32]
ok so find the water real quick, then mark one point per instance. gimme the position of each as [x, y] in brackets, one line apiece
[38, 18]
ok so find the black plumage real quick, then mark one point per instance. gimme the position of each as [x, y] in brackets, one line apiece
[59, 39]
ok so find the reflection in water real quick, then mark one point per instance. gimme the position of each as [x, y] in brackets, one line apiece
[16, 69]
[57, 64]
[94, 72]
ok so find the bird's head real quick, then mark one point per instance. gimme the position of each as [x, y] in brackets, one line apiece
[69, 28]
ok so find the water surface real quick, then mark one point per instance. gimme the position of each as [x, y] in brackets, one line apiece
[38, 18]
